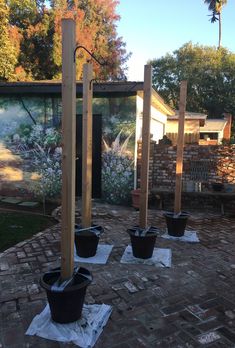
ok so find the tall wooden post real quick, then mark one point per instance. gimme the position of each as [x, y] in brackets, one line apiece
[87, 145]
[68, 147]
[144, 175]
[180, 147]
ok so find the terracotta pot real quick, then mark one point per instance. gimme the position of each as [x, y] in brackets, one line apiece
[135, 195]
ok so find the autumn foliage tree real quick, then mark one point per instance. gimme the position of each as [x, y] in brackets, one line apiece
[38, 32]
[95, 30]
[8, 55]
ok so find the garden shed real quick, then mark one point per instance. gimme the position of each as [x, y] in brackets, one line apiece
[30, 121]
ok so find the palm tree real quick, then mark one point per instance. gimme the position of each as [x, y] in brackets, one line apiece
[215, 6]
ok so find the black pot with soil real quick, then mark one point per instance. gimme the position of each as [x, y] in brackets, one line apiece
[87, 239]
[176, 223]
[217, 186]
[66, 298]
[143, 241]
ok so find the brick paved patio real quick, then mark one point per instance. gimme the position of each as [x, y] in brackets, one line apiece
[191, 304]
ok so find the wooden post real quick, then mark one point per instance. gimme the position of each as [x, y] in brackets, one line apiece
[180, 148]
[68, 146]
[144, 175]
[87, 145]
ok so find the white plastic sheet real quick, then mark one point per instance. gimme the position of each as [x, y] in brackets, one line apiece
[189, 236]
[160, 258]
[101, 256]
[84, 332]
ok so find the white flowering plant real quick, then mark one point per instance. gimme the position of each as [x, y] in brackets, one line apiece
[49, 137]
[117, 172]
[37, 134]
[42, 147]
[48, 166]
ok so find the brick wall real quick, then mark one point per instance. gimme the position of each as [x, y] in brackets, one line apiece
[217, 161]
[227, 129]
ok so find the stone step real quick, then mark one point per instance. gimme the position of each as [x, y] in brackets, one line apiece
[29, 204]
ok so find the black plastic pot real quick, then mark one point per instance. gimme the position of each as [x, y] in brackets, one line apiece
[217, 186]
[86, 240]
[142, 246]
[66, 305]
[176, 224]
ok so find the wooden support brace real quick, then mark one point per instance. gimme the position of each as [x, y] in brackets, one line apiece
[144, 175]
[180, 147]
[68, 146]
[87, 145]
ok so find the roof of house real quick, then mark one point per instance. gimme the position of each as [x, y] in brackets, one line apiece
[54, 87]
[159, 103]
[213, 125]
[100, 89]
[188, 116]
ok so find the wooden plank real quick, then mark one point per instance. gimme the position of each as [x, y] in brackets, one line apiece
[87, 145]
[144, 175]
[180, 147]
[68, 146]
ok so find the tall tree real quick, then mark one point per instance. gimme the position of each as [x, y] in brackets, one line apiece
[96, 30]
[8, 55]
[35, 26]
[216, 6]
[210, 74]
[39, 35]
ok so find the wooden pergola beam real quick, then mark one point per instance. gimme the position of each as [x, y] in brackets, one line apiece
[68, 147]
[87, 145]
[144, 175]
[180, 147]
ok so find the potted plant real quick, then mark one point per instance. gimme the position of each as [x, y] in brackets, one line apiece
[142, 241]
[87, 239]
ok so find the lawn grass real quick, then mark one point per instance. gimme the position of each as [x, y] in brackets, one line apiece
[15, 227]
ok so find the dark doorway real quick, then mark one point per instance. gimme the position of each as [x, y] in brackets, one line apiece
[96, 156]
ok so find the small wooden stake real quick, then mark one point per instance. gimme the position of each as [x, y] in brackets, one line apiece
[68, 145]
[87, 145]
[180, 147]
[144, 175]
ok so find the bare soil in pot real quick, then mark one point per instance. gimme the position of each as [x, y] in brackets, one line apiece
[176, 224]
[66, 303]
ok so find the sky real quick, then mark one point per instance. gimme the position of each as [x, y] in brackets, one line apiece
[152, 28]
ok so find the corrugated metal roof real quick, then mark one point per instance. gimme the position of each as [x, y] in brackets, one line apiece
[213, 125]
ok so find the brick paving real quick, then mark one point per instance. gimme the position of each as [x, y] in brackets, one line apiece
[191, 304]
